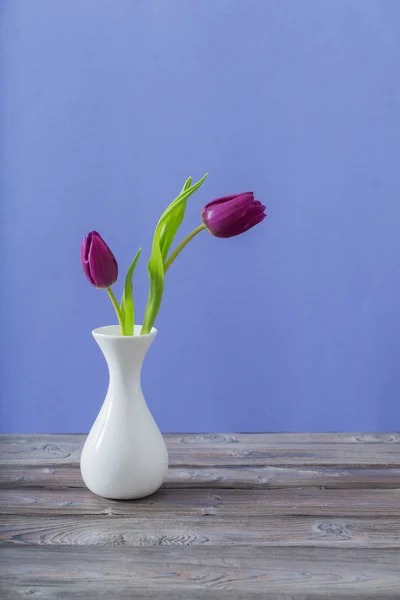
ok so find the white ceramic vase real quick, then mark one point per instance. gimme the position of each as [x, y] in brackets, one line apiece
[124, 456]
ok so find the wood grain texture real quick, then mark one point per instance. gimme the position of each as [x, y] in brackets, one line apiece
[105, 591]
[240, 516]
[207, 502]
[55, 476]
[224, 450]
[365, 573]
[353, 532]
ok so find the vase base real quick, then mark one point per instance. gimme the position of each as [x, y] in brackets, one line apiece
[127, 498]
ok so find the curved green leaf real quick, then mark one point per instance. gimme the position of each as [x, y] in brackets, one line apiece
[168, 233]
[164, 234]
[127, 305]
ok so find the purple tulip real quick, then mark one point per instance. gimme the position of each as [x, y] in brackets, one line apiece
[232, 215]
[98, 261]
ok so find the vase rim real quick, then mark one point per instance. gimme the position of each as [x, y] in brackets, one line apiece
[113, 331]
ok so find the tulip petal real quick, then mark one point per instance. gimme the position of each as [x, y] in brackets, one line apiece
[245, 224]
[232, 215]
[253, 216]
[85, 246]
[99, 263]
[248, 195]
[219, 214]
[104, 271]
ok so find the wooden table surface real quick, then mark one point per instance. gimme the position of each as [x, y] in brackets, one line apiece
[240, 516]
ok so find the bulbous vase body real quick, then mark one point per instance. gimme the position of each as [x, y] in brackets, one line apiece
[124, 456]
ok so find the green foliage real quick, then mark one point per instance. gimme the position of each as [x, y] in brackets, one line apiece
[163, 237]
[168, 233]
[127, 306]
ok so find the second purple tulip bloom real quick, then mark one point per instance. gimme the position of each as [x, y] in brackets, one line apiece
[232, 215]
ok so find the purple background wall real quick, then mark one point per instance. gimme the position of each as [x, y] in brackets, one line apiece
[106, 107]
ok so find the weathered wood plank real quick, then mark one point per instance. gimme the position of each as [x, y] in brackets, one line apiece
[282, 477]
[220, 438]
[224, 450]
[193, 531]
[295, 438]
[289, 454]
[206, 503]
[99, 591]
[106, 591]
[296, 572]
[54, 476]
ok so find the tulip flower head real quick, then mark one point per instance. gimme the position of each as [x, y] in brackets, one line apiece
[232, 215]
[98, 262]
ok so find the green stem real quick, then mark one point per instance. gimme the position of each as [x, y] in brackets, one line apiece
[181, 246]
[117, 309]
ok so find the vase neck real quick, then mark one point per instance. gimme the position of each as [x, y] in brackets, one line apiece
[124, 356]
